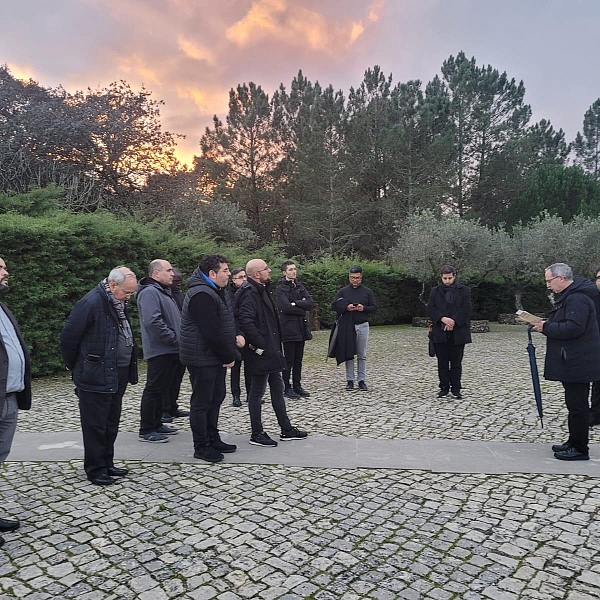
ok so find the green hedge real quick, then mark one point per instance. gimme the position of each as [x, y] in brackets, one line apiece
[53, 260]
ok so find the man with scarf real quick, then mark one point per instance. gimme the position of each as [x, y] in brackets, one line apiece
[97, 346]
[15, 375]
[209, 345]
[449, 309]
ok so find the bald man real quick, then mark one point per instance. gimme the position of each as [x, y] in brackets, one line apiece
[160, 322]
[258, 321]
[97, 346]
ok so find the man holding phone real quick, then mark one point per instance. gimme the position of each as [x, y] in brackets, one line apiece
[354, 303]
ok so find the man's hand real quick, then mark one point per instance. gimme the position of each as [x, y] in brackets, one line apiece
[448, 323]
[350, 307]
[240, 341]
[359, 307]
[539, 327]
[229, 365]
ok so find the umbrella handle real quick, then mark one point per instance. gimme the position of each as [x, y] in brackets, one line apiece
[529, 329]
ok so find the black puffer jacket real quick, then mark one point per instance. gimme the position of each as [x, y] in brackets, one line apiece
[256, 316]
[293, 300]
[573, 350]
[459, 311]
[207, 337]
[88, 344]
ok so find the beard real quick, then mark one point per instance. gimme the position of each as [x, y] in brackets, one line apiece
[4, 287]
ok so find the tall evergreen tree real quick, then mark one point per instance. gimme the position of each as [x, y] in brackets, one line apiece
[587, 145]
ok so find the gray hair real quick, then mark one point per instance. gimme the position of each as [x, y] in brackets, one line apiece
[561, 270]
[120, 274]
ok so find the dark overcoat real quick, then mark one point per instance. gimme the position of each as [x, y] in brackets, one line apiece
[573, 340]
[293, 300]
[459, 311]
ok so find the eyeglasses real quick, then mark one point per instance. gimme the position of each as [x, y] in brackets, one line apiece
[261, 270]
[552, 279]
[355, 276]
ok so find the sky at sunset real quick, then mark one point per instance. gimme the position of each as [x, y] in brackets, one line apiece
[189, 53]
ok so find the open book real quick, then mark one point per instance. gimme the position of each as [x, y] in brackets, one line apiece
[528, 317]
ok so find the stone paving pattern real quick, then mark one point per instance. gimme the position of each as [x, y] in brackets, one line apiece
[233, 531]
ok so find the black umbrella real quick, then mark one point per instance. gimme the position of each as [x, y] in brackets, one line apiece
[535, 376]
[333, 339]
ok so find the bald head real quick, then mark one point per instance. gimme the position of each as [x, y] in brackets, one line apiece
[258, 270]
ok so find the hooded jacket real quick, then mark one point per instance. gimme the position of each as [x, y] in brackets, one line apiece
[207, 325]
[160, 318]
[573, 340]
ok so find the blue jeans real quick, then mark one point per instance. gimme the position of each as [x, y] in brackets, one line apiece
[257, 391]
[8, 424]
[362, 338]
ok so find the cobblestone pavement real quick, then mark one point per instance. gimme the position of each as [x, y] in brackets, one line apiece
[234, 531]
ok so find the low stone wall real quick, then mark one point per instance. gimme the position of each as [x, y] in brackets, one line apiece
[481, 326]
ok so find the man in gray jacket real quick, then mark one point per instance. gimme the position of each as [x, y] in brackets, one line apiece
[160, 323]
[15, 373]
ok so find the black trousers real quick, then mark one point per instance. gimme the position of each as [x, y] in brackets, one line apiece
[576, 399]
[170, 405]
[595, 408]
[100, 415]
[449, 359]
[257, 391]
[294, 353]
[208, 393]
[236, 389]
[159, 381]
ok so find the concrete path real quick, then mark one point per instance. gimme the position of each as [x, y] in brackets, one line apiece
[438, 456]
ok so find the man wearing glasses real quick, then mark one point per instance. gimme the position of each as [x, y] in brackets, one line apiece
[258, 320]
[573, 352]
[595, 408]
[354, 303]
[97, 346]
[209, 345]
[238, 277]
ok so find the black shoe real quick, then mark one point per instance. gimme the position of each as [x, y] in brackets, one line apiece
[237, 401]
[164, 430]
[293, 434]
[6, 525]
[443, 393]
[166, 418]
[221, 446]
[301, 392]
[102, 479]
[180, 413]
[209, 454]
[362, 386]
[291, 394]
[262, 439]
[116, 472]
[561, 447]
[571, 454]
[457, 395]
[349, 385]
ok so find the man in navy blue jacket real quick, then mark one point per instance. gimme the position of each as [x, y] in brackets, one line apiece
[573, 352]
[97, 346]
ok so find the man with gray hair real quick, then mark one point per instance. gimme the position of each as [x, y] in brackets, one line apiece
[160, 322]
[573, 352]
[97, 346]
[15, 375]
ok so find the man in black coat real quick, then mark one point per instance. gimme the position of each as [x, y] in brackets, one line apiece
[15, 379]
[449, 308]
[97, 346]
[595, 403]
[209, 345]
[257, 318]
[572, 353]
[293, 300]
